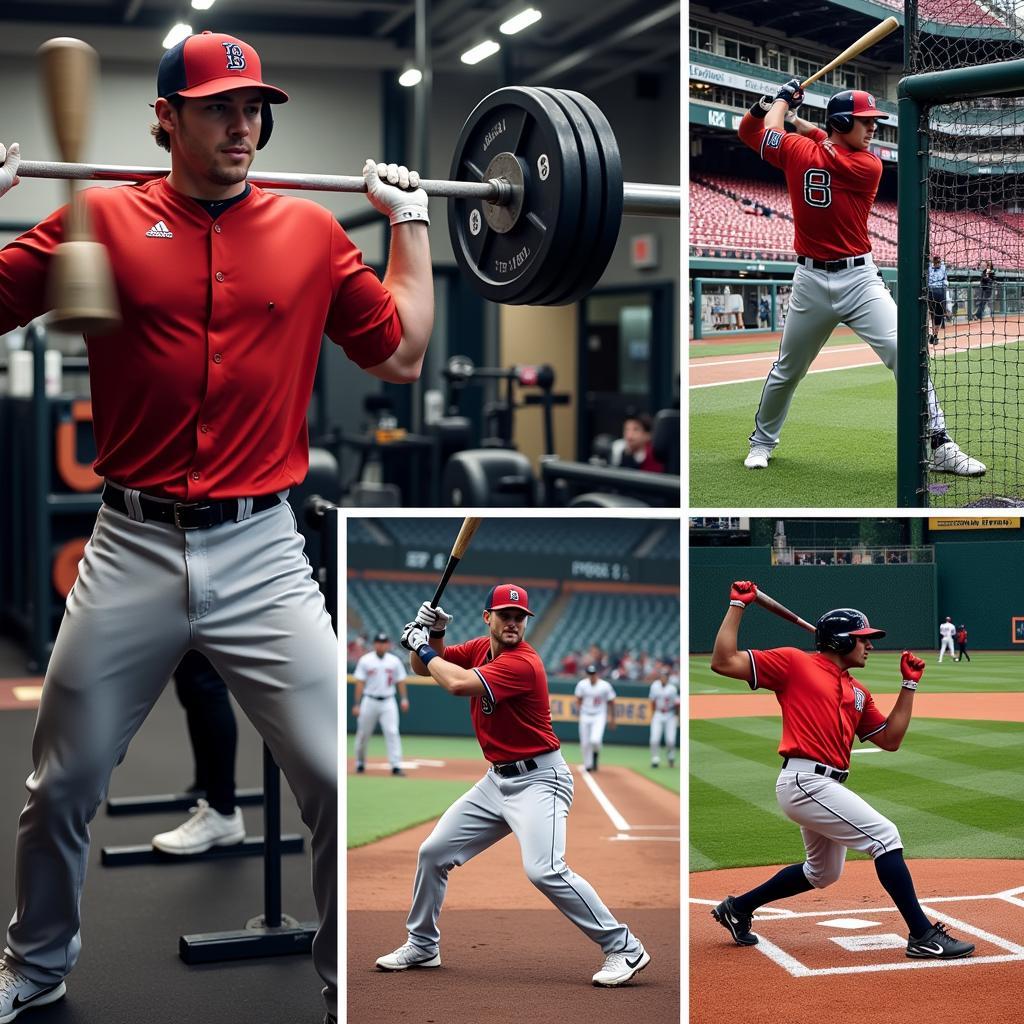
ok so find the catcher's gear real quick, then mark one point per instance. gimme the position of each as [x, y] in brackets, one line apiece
[742, 593]
[837, 631]
[846, 105]
[791, 93]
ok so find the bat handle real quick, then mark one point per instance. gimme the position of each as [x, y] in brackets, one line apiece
[449, 569]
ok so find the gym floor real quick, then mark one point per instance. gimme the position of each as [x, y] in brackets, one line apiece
[132, 917]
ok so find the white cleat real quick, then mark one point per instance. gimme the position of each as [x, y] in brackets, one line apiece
[204, 829]
[948, 458]
[408, 956]
[758, 457]
[621, 967]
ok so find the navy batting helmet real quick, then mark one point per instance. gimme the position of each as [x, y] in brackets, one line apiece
[845, 106]
[837, 630]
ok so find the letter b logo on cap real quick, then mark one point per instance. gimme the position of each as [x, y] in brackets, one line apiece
[236, 58]
[513, 595]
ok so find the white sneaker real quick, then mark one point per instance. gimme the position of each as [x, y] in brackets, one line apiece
[948, 458]
[620, 967]
[758, 457]
[408, 956]
[204, 829]
[18, 993]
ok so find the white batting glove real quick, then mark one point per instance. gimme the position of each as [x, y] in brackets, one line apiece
[435, 619]
[396, 192]
[10, 158]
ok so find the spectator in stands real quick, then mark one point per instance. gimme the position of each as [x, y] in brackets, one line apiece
[635, 449]
[357, 647]
[570, 663]
[599, 657]
[988, 280]
[938, 282]
[764, 312]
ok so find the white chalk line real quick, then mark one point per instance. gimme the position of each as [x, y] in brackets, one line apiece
[607, 806]
[749, 380]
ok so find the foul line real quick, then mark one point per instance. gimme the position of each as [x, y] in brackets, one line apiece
[606, 805]
[748, 380]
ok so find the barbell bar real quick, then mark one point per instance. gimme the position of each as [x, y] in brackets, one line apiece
[639, 199]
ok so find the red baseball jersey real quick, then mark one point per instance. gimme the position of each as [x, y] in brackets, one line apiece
[203, 391]
[831, 189]
[823, 706]
[512, 719]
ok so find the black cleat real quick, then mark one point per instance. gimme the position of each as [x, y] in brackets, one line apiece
[398, 771]
[938, 944]
[738, 924]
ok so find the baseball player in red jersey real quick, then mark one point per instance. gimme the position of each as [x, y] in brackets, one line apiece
[527, 790]
[832, 182]
[199, 403]
[824, 708]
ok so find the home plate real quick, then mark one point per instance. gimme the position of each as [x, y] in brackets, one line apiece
[867, 943]
[847, 922]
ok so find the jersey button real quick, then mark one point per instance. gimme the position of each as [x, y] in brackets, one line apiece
[216, 227]
[219, 276]
[195, 474]
[217, 357]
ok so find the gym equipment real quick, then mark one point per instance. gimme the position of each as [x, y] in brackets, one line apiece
[487, 478]
[537, 191]
[562, 480]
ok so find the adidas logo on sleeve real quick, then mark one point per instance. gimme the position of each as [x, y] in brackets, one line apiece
[159, 230]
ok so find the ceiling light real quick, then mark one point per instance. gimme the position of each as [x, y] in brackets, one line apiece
[410, 77]
[203, 5]
[481, 52]
[520, 21]
[175, 36]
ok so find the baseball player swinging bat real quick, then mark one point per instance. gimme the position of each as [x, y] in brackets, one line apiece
[469, 527]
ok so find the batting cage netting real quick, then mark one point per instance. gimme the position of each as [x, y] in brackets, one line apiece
[970, 306]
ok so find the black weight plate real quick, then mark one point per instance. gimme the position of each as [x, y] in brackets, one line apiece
[592, 195]
[611, 219]
[505, 267]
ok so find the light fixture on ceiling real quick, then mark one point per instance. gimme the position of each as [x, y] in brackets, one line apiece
[202, 5]
[522, 20]
[176, 35]
[480, 52]
[410, 76]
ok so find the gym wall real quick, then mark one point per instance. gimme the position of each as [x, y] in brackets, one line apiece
[902, 599]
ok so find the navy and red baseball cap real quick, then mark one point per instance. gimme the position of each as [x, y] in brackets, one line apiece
[854, 103]
[209, 63]
[507, 595]
[381, 638]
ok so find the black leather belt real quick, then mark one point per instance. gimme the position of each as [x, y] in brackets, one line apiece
[371, 696]
[513, 768]
[823, 769]
[832, 265]
[185, 515]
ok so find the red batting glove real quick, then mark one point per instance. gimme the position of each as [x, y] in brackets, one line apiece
[742, 593]
[912, 668]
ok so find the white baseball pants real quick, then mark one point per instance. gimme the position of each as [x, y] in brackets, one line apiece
[591, 736]
[819, 302]
[946, 645]
[832, 819]
[663, 724]
[372, 711]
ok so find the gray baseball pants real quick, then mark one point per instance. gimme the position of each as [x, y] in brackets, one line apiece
[533, 807]
[241, 594]
[820, 301]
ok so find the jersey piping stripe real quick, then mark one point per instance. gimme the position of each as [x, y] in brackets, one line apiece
[752, 683]
[885, 849]
[486, 687]
[562, 874]
[874, 732]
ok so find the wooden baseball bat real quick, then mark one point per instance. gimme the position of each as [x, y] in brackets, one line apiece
[866, 41]
[81, 285]
[469, 526]
[771, 605]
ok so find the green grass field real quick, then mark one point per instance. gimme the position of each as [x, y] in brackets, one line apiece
[379, 805]
[987, 671]
[954, 789]
[746, 344]
[838, 449]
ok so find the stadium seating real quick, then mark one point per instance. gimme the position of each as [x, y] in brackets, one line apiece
[965, 12]
[636, 621]
[389, 606]
[590, 538]
[666, 547]
[359, 533]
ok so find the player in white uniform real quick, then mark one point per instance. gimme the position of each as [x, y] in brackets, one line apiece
[664, 698]
[595, 705]
[377, 674]
[947, 631]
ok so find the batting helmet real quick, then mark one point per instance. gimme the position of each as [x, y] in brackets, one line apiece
[837, 630]
[845, 106]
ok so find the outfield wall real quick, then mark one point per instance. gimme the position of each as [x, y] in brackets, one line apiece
[433, 712]
[898, 598]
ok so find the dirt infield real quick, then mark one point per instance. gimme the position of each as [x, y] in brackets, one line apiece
[839, 953]
[990, 707]
[506, 953]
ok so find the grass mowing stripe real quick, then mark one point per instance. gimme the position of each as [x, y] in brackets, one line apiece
[951, 790]
[815, 466]
[382, 807]
[988, 672]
